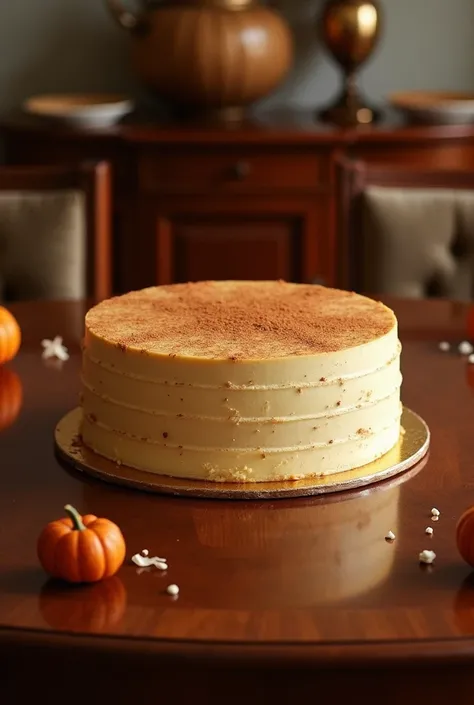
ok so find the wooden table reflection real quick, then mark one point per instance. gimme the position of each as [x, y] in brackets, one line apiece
[279, 599]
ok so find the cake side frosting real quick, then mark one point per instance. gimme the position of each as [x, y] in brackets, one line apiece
[222, 412]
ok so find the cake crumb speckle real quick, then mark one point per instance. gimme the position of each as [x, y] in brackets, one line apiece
[427, 557]
[465, 348]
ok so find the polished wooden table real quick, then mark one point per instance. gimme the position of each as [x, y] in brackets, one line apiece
[279, 600]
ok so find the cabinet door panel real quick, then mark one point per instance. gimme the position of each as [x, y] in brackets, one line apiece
[188, 239]
[210, 247]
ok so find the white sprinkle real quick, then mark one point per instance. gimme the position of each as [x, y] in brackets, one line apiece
[146, 562]
[427, 557]
[54, 348]
[172, 590]
[145, 552]
[429, 531]
[444, 346]
[465, 348]
[470, 359]
[435, 512]
[390, 536]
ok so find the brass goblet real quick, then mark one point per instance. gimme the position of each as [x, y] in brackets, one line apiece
[351, 30]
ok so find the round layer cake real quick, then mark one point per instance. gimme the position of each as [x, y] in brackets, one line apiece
[241, 381]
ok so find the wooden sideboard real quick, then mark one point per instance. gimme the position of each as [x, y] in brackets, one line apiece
[253, 201]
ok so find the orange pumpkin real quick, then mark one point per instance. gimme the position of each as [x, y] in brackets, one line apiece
[10, 336]
[465, 536]
[88, 608]
[81, 549]
[11, 397]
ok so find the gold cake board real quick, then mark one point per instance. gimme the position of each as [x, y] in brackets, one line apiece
[410, 449]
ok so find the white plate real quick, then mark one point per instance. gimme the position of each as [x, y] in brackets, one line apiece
[80, 110]
[436, 108]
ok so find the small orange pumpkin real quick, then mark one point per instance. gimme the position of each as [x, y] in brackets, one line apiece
[11, 397]
[81, 549]
[10, 336]
[465, 536]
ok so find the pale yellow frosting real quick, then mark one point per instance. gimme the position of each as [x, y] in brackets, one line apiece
[315, 400]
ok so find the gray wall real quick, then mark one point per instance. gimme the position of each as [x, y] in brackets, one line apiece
[60, 45]
[427, 44]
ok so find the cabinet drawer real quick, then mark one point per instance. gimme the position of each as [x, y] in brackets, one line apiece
[237, 171]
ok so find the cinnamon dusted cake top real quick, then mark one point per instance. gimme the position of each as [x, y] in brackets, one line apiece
[240, 320]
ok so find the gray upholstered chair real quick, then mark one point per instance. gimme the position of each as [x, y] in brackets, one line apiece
[55, 240]
[406, 231]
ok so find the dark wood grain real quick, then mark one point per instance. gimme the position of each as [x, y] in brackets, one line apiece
[290, 125]
[275, 595]
[97, 187]
[191, 200]
[188, 238]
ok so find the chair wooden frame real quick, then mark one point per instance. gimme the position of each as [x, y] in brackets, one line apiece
[352, 179]
[94, 180]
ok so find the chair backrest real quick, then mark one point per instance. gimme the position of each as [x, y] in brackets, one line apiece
[405, 230]
[55, 231]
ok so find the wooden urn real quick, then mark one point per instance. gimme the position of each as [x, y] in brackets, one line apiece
[213, 57]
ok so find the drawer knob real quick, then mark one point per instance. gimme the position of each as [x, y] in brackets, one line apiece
[241, 170]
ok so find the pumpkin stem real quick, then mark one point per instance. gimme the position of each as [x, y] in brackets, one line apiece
[77, 522]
